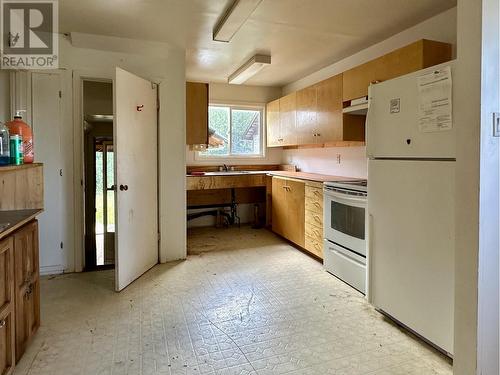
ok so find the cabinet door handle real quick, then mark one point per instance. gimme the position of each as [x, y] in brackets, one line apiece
[2, 323]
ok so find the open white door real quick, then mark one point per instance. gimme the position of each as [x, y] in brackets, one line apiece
[135, 135]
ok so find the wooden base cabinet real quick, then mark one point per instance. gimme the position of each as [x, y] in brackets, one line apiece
[288, 209]
[297, 213]
[27, 285]
[7, 338]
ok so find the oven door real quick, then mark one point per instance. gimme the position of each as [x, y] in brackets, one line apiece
[345, 220]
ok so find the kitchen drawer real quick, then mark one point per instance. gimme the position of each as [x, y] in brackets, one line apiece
[314, 205]
[314, 232]
[314, 192]
[315, 247]
[314, 218]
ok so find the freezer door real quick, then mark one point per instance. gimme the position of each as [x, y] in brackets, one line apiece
[392, 126]
[411, 246]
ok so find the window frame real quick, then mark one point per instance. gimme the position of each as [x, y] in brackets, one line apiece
[239, 106]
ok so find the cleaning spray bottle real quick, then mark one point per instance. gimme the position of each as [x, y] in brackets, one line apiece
[19, 127]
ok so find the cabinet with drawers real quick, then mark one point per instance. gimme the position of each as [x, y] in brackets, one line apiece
[297, 212]
[19, 294]
[7, 352]
[314, 218]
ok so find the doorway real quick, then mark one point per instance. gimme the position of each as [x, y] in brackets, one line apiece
[99, 175]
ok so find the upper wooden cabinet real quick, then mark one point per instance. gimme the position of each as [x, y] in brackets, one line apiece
[196, 113]
[314, 115]
[307, 116]
[288, 120]
[273, 123]
[419, 55]
[281, 122]
[329, 126]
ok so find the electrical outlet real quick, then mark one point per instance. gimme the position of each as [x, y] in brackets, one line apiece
[339, 158]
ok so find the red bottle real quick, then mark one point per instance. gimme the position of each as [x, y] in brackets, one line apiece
[18, 126]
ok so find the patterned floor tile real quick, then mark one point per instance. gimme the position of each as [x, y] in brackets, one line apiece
[260, 307]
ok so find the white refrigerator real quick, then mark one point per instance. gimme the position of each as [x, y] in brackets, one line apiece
[411, 186]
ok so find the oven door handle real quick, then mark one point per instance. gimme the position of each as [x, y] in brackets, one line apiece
[345, 197]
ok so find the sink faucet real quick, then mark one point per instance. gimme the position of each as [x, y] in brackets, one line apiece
[226, 168]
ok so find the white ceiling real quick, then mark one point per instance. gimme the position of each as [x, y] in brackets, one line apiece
[302, 36]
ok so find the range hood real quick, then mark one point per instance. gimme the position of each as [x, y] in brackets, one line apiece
[357, 107]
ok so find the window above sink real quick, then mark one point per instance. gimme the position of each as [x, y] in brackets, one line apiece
[236, 132]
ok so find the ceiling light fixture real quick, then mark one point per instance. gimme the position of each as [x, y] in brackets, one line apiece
[234, 17]
[249, 69]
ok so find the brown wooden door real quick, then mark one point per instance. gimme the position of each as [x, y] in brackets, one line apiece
[279, 206]
[196, 113]
[307, 116]
[273, 123]
[27, 286]
[329, 109]
[26, 254]
[7, 359]
[27, 315]
[22, 323]
[295, 200]
[6, 273]
[288, 120]
[7, 298]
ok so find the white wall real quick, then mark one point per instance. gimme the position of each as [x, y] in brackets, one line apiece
[240, 94]
[477, 175]
[4, 96]
[353, 160]
[97, 98]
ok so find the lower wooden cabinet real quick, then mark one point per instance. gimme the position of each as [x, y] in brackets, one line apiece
[288, 200]
[27, 315]
[19, 294]
[297, 213]
[27, 285]
[7, 340]
[7, 360]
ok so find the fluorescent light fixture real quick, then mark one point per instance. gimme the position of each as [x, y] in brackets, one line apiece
[234, 17]
[249, 69]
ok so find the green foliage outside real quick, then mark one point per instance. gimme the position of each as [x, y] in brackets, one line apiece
[99, 199]
[234, 135]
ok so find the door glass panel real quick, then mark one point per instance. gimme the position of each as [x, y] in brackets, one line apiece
[110, 177]
[99, 204]
[348, 220]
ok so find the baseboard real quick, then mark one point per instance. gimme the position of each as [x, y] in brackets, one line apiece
[51, 270]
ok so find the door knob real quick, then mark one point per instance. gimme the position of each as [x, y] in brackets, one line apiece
[123, 187]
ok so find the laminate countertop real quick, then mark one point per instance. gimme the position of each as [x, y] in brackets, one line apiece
[297, 175]
[12, 220]
[310, 176]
